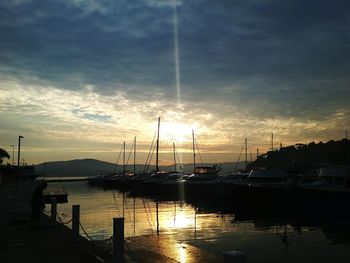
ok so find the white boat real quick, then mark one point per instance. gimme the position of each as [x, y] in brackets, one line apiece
[271, 178]
[332, 178]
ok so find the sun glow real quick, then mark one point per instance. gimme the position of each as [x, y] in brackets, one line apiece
[177, 132]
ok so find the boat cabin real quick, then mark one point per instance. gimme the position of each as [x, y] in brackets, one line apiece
[204, 173]
[268, 176]
[337, 177]
[205, 170]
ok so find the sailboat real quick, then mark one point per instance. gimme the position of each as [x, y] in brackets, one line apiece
[238, 175]
[108, 179]
[201, 173]
[175, 176]
[164, 177]
[147, 176]
[117, 177]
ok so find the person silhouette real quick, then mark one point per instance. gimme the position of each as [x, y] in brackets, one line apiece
[37, 202]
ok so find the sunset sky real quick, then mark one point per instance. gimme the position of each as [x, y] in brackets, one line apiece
[79, 77]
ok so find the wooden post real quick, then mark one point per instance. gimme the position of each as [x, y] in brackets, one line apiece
[118, 240]
[75, 221]
[53, 210]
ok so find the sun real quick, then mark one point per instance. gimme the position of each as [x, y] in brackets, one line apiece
[177, 132]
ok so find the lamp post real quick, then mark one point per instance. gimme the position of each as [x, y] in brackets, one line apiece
[13, 154]
[19, 149]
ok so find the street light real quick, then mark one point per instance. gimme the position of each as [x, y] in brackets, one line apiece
[19, 149]
[13, 154]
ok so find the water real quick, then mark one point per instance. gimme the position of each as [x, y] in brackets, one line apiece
[268, 238]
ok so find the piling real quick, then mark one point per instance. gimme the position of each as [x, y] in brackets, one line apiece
[75, 221]
[53, 210]
[118, 240]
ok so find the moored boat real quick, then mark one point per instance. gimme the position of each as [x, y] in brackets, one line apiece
[204, 173]
[331, 189]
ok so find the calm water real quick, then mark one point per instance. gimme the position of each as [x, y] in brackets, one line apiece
[268, 238]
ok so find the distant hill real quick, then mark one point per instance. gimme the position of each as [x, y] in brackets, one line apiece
[83, 167]
[301, 157]
[92, 167]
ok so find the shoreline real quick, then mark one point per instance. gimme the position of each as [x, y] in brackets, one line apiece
[21, 241]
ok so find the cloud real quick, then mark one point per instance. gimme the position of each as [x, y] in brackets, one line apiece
[164, 3]
[246, 67]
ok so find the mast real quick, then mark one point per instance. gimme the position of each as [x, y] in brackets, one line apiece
[135, 155]
[19, 149]
[271, 141]
[124, 158]
[194, 152]
[281, 143]
[174, 156]
[157, 149]
[246, 153]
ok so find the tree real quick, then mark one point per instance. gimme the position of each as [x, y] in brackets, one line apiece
[3, 154]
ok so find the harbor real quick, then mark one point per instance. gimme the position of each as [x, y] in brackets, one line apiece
[170, 216]
[188, 225]
[54, 241]
[174, 131]
[213, 226]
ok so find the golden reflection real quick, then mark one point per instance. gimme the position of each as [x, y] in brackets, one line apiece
[180, 219]
[181, 191]
[182, 253]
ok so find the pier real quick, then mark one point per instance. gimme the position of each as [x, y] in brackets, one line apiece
[20, 241]
[55, 241]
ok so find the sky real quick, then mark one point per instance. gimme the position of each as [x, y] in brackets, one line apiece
[79, 77]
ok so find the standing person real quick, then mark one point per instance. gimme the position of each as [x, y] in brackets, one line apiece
[37, 203]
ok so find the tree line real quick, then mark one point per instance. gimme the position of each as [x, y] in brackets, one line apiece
[301, 157]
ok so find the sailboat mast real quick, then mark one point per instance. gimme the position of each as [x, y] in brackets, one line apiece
[135, 155]
[194, 151]
[124, 158]
[246, 153]
[174, 156]
[157, 149]
[271, 141]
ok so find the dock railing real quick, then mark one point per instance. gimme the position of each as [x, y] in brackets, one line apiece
[118, 230]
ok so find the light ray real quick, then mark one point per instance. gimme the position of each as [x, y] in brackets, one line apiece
[176, 55]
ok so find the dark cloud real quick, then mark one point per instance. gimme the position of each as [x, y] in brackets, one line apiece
[289, 58]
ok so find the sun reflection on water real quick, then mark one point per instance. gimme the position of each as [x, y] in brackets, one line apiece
[182, 253]
[182, 219]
